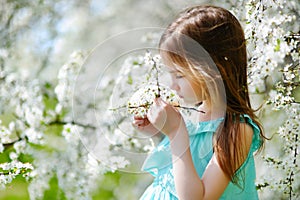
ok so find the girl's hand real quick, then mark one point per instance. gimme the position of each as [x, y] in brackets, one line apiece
[165, 117]
[144, 126]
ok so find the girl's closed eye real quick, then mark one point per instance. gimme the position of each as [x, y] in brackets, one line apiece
[179, 75]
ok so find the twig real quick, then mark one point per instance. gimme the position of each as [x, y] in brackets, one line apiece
[291, 178]
[157, 81]
[4, 173]
[188, 108]
[147, 105]
[58, 122]
[55, 122]
[9, 144]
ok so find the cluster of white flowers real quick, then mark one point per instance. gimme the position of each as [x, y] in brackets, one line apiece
[23, 98]
[27, 118]
[71, 133]
[283, 170]
[74, 166]
[117, 162]
[75, 170]
[9, 171]
[143, 98]
[274, 71]
[151, 60]
[66, 79]
[5, 136]
[22, 110]
[279, 100]
[265, 31]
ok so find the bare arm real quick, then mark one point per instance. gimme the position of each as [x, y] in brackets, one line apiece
[188, 184]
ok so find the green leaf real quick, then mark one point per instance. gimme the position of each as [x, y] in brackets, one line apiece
[129, 80]
[48, 85]
[277, 47]
[54, 192]
[256, 90]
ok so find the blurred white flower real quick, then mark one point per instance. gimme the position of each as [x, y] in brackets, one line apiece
[1, 148]
[117, 162]
[34, 136]
[71, 133]
[20, 146]
[5, 134]
[13, 156]
[33, 116]
[3, 53]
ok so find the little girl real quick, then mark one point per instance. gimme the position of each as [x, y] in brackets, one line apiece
[204, 50]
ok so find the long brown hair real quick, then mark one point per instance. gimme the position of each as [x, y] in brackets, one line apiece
[222, 36]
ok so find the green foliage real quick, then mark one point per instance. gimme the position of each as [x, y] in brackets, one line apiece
[17, 190]
[54, 192]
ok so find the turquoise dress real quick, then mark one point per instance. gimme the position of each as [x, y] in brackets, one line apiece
[159, 163]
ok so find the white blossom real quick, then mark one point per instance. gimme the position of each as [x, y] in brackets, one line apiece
[143, 98]
[20, 146]
[34, 136]
[117, 162]
[1, 148]
[66, 78]
[13, 168]
[71, 133]
[5, 134]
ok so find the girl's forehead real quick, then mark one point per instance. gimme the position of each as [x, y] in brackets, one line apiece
[171, 65]
[172, 68]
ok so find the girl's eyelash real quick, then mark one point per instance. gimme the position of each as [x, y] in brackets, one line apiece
[179, 76]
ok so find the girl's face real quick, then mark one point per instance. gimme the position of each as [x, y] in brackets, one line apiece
[185, 88]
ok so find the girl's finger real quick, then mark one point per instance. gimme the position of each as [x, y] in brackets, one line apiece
[139, 117]
[138, 125]
[137, 122]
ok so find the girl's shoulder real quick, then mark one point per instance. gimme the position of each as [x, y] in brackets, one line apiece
[251, 129]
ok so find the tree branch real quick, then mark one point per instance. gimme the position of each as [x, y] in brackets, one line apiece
[7, 145]
[58, 122]
[147, 105]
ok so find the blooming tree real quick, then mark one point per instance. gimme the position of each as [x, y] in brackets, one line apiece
[40, 138]
[36, 111]
[273, 41]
